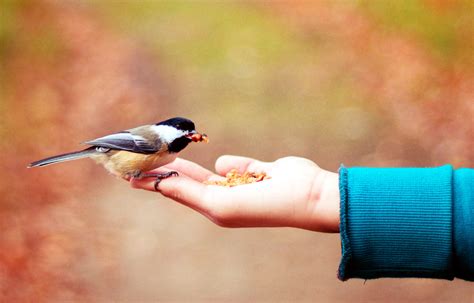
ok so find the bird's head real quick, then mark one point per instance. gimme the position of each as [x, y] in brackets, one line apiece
[178, 133]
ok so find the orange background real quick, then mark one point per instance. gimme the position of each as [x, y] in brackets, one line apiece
[366, 83]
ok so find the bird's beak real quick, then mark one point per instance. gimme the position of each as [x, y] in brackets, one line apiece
[197, 137]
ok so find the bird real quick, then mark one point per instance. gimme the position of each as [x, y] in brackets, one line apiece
[136, 151]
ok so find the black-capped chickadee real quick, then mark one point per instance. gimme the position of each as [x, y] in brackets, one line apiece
[133, 152]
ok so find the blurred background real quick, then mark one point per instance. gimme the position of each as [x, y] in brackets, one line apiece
[364, 83]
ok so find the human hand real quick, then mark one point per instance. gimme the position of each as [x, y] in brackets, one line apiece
[299, 194]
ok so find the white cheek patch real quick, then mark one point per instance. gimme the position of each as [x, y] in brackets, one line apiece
[167, 133]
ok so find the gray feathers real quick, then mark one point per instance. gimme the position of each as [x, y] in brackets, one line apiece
[132, 140]
[65, 157]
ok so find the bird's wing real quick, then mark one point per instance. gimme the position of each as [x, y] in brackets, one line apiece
[127, 141]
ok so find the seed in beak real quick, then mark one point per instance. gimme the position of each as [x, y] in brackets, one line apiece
[197, 137]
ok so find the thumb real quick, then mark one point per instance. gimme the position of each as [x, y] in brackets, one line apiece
[226, 163]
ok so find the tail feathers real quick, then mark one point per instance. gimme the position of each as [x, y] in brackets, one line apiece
[64, 157]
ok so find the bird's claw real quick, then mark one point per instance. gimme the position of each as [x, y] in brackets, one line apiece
[160, 177]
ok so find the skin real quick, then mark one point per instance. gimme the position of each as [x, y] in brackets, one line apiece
[299, 194]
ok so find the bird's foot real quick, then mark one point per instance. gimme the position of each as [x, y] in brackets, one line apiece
[159, 177]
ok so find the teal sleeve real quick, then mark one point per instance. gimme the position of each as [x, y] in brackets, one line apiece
[406, 222]
[463, 212]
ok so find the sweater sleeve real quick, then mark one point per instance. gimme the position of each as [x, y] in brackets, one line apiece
[406, 222]
[463, 223]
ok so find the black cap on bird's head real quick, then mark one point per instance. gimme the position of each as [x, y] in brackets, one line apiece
[179, 123]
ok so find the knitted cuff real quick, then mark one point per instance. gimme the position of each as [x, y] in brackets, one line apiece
[396, 222]
[464, 223]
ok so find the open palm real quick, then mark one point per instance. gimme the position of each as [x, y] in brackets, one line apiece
[298, 194]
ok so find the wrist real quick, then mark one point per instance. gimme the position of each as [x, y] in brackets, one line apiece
[330, 202]
[324, 201]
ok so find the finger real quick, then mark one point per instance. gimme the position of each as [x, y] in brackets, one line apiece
[226, 163]
[229, 207]
[181, 189]
[191, 169]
